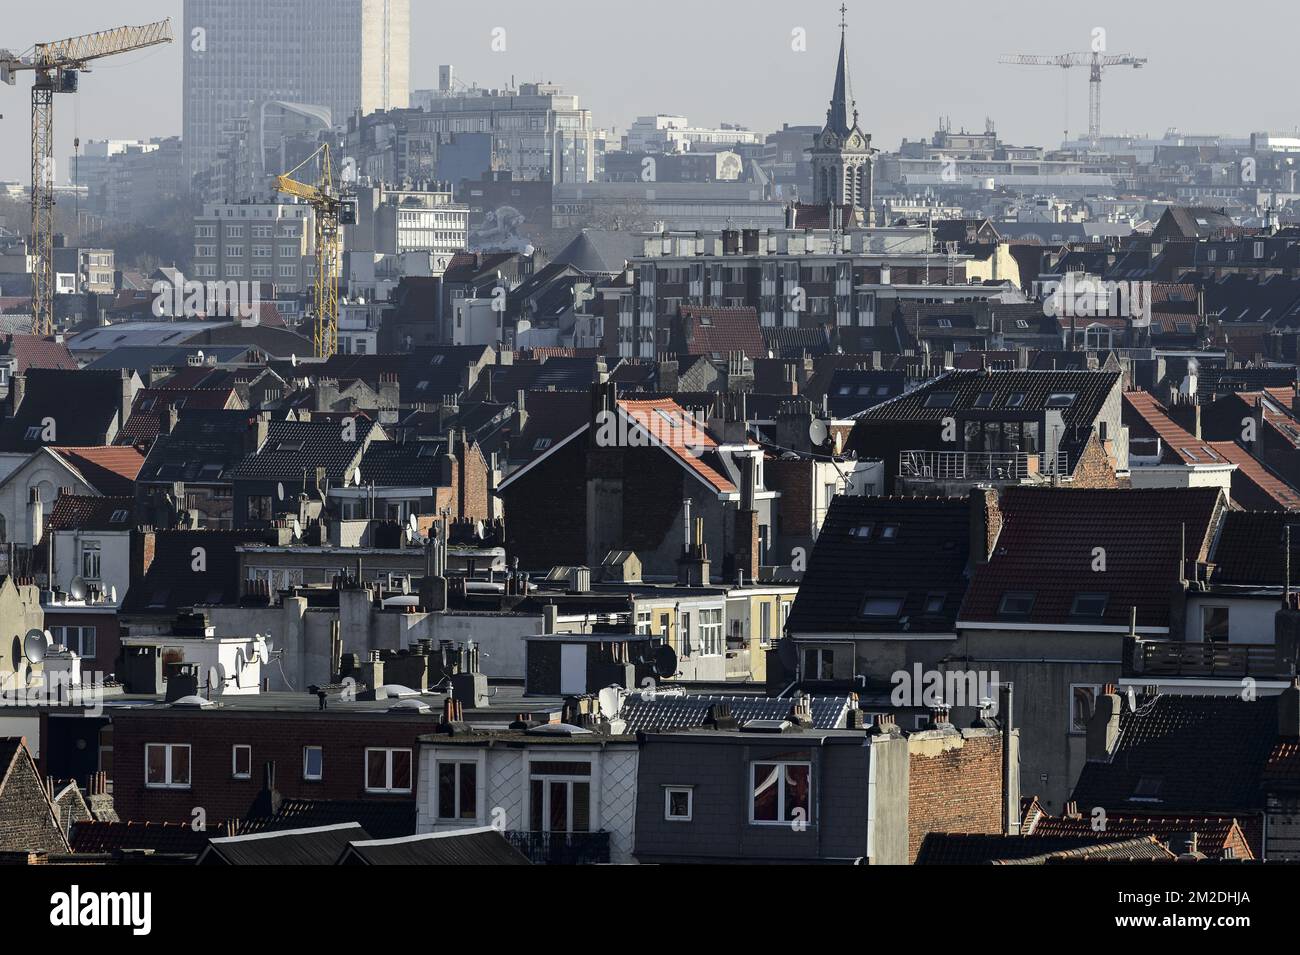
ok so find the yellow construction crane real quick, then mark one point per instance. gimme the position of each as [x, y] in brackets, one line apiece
[57, 66]
[331, 208]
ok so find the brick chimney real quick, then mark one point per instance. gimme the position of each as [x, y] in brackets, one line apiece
[693, 565]
[985, 524]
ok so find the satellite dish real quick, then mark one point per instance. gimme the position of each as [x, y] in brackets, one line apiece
[260, 653]
[664, 661]
[1132, 699]
[279, 491]
[356, 477]
[293, 360]
[413, 524]
[216, 676]
[241, 661]
[78, 588]
[112, 594]
[817, 432]
[36, 644]
[608, 699]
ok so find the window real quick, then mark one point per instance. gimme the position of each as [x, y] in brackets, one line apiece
[1016, 604]
[457, 790]
[678, 803]
[984, 399]
[313, 763]
[940, 399]
[881, 606]
[80, 640]
[934, 603]
[711, 631]
[1089, 605]
[818, 664]
[1061, 399]
[388, 770]
[241, 761]
[90, 560]
[167, 765]
[259, 507]
[1083, 701]
[559, 796]
[888, 532]
[861, 531]
[1016, 400]
[780, 793]
[1214, 624]
[1147, 789]
[765, 623]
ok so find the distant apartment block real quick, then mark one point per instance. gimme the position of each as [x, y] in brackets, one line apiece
[674, 134]
[355, 55]
[270, 243]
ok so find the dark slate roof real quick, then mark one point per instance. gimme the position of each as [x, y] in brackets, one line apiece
[170, 584]
[1145, 849]
[784, 341]
[852, 390]
[403, 463]
[380, 818]
[601, 252]
[1091, 387]
[315, 846]
[203, 448]
[1251, 548]
[1212, 382]
[855, 556]
[1214, 832]
[82, 403]
[961, 848]
[1047, 548]
[291, 446]
[430, 372]
[668, 712]
[164, 837]
[142, 358]
[479, 846]
[150, 409]
[1201, 754]
[560, 373]
[88, 512]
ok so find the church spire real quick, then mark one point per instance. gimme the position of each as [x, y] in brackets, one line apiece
[843, 114]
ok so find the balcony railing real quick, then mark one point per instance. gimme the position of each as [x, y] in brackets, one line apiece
[1203, 659]
[980, 465]
[561, 848]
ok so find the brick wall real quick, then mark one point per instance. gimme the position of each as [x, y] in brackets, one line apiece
[1096, 467]
[275, 737]
[794, 507]
[955, 784]
[473, 488]
[26, 823]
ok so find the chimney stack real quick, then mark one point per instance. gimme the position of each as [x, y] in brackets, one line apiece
[1103, 728]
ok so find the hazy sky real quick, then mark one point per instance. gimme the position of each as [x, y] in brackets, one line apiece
[1213, 67]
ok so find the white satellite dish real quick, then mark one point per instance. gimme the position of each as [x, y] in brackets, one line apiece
[78, 588]
[36, 644]
[293, 360]
[608, 699]
[1132, 700]
[240, 662]
[817, 431]
[279, 491]
[216, 676]
[413, 524]
[260, 650]
[356, 477]
[112, 593]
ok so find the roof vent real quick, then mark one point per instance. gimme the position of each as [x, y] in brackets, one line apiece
[557, 729]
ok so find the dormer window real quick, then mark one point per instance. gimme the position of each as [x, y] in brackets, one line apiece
[1061, 399]
[1016, 604]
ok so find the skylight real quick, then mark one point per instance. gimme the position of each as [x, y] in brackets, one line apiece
[940, 399]
[1016, 604]
[881, 606]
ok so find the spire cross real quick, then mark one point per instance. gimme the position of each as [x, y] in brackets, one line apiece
[843, 12]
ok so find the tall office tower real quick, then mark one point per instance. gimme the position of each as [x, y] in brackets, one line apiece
[240, 55]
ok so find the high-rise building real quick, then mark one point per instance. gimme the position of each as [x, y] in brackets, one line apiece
[343, 55]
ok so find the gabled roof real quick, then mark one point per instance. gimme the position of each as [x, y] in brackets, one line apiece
[150, 409]
[317, 846]
[291, 446]
[663, 711]
[403, 463]
[717, 332]
[482, 845]
[1090, 388]
[908, 555]
[1193, 754]
[381, 819]
[1048, 548]
[169, 583]
[31, 820]
[162, 837]
[108, 469]
[83, 405]
[203, 448]
[1215, 833]
[89, 513]
[33, 351]
[962, 848]
[1251, 548]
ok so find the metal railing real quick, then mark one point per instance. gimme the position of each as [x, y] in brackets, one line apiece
[561, 848]
[980, 465]
[1204, 659]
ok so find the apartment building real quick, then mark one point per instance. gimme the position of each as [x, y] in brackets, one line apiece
[270, 243]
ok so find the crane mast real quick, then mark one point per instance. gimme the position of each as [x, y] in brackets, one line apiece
[1096, 63]
[327, 204]
[56, 67]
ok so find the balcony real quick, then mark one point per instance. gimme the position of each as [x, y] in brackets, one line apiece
[561, 848]
[1006, 466]
[1176, 658]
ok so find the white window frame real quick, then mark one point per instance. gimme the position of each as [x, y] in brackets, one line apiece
[388, 752]
[307, 776]
[669, 790]
[167, 766]
[780, 819]
[712, 638]
[234, 761]
[436, 785]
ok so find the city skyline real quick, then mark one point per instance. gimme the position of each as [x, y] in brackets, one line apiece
[904, 81]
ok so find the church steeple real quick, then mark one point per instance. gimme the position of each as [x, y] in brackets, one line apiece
[841, 153]
[843, 114]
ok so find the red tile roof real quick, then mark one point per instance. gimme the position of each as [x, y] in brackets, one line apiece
[33, 351]
[87, 512]
[674, 429]
[1048, 548]
[1215, 833]
[716, 332]
[110, 470]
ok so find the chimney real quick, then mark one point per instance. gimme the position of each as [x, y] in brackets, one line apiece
[128, 396]
[1288, 711]
[521, 411]
[172, 419]
[747, 541]
[258, 428]
[17, 391]
[1103, 728]
[1257, 446]
[985, 524]
[693, 565]
[35, 516]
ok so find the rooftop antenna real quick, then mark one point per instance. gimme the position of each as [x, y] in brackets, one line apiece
[1286, 573]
